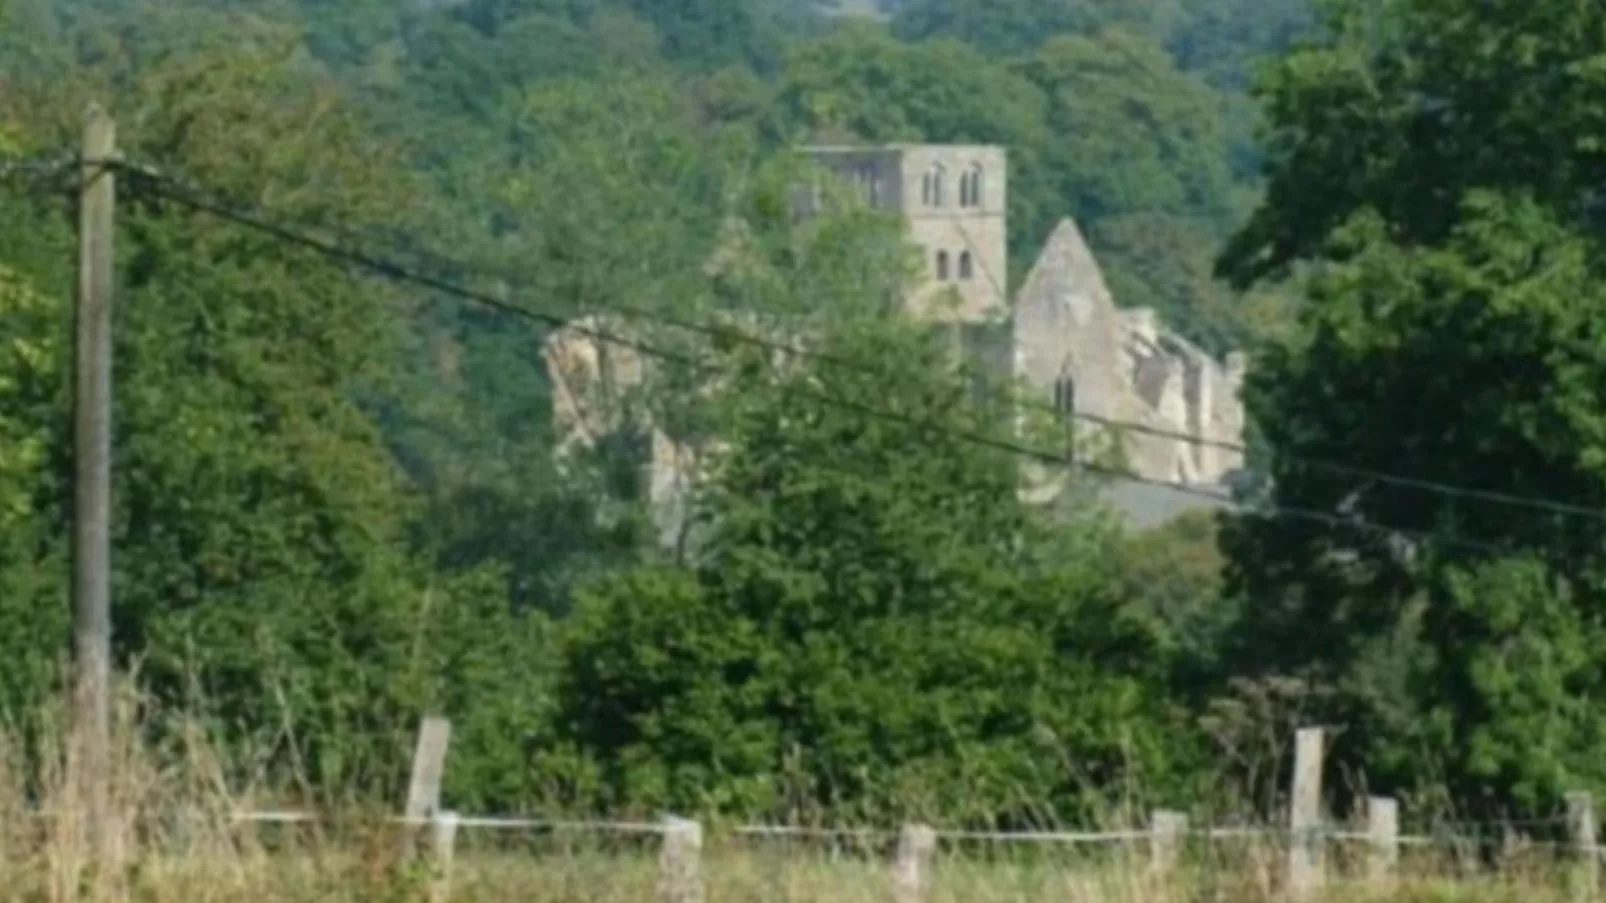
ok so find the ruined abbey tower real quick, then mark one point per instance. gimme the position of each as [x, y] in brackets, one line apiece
[951, 200]
[1061, 335]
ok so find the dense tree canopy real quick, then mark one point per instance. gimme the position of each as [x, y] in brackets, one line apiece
[1432, 177]
[893, 630]
[339, 505]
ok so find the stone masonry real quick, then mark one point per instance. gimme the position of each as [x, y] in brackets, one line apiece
[1070, 346]
[951, 200]
[1093, 361]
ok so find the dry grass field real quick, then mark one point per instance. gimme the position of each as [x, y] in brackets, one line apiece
[178, 841]
[348, 871]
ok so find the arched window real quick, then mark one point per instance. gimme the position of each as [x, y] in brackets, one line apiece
[1065, 397]
[970, 187]
[964, 264]
[1065, 407]
[942, 264]
[870, 180]
[931, 186]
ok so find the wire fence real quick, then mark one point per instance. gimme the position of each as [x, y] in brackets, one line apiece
[1457, 833]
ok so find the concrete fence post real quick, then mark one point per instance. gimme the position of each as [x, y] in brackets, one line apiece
[680, 862]
[1166, 830]
[911, 876]
[424, 784]
[1581, 827]
[442, 848]
[1383, 834]
[1304, 816]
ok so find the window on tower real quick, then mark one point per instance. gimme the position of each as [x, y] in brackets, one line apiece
[942, 264]
[964, 264]
[931, 186]
[970, 187]
[1065, 397]
[869, 178]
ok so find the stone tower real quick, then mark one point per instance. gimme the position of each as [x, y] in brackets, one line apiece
[1107, 371]
[951, 198]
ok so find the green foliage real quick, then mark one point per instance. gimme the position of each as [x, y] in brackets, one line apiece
[711, 34]
[258, 515]
[261, 570]
[1103, 128]
[1176, 575]
[338, 504]
[1403, 107]
[1016, 26]
[1431, 169]
[1475, 363]
[890, 628]
[33, 613]
[1135, 135]
[1142, 156]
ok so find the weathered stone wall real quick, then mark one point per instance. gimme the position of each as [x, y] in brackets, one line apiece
[1121, 365]
[951, 198]
[1065, 339]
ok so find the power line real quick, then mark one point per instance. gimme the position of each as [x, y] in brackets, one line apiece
[31, 165]
[1334, 467]
[731, 334]
[388, 268]
[402, 273]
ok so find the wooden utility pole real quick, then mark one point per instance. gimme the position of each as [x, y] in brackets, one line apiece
[92, 462]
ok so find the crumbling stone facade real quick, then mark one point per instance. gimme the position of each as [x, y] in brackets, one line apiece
[1066, 342]
[1092, 361]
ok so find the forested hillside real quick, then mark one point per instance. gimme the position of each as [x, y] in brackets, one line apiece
[337, 503]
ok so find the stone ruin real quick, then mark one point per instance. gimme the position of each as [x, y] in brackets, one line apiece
[1171, 411]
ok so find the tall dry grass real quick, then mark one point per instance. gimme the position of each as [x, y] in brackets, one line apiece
[177, 840]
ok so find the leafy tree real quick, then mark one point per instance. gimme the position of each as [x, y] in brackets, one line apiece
[1228, 41]
[34, 612]
[462, 68]
[875, 621]
[1433, 166]
[1165, 262]
[616, 193]
[1134, 134]
[261, 564]
[713, 34]
[1460, 636]
[616, 199]
[1404, 107]
[862, 84]
[1013, 27]
[1177, 573]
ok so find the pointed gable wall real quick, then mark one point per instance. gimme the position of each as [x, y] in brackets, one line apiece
[1124, 366]
[1065, 322]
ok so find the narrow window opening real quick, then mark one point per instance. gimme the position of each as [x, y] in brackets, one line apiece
[970, 188]
[931, 187]
[1065, 407]
[1065, 397]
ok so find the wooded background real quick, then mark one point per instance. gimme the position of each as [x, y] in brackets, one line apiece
[336, 507]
